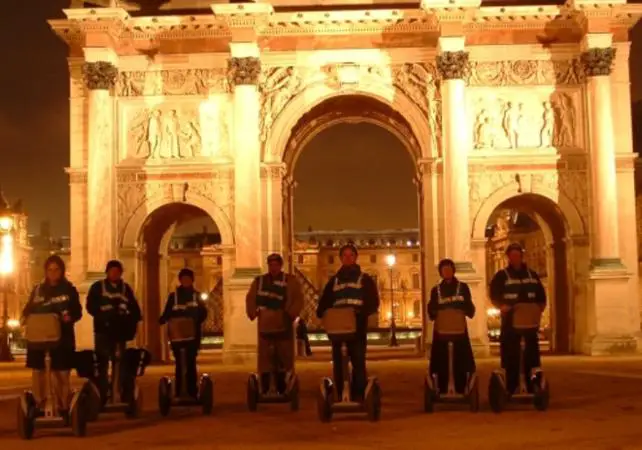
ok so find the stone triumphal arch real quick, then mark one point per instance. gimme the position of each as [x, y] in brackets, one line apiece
[175, 114]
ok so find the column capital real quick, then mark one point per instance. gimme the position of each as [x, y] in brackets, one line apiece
[598, 61]
[453, 65]
[243, 70]
[99, 75]
[273, 171]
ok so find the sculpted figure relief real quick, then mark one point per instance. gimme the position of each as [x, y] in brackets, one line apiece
[159, 134]
[169, 82]
[280, 85]
[531, 123]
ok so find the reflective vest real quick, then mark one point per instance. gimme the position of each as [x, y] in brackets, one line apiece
[185, 309]
[44, 305]
[455, 301]
[520, 290]
[348, 293]
[272, 293]
[109, 299]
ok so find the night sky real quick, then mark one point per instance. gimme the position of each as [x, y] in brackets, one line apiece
[34, 135]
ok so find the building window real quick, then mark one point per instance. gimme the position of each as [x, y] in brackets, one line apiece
[415, 281]
[415, 257]
[416, 308]
[330, 259]
[299, 259]
[373, 259]
[219, 260]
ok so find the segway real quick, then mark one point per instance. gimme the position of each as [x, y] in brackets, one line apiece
[118, 400]
[526, 318]
[341, 325]
[272, 327]
[183, 330]
[450, 325]
[44, 333]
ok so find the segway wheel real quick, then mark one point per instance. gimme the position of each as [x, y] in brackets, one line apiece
[93, 403]
[206, 395]
[294, 394]
[252, 393]
[135, 406]
[78, 415]
[324, 401]
[429, 396]
[373, 402]
[473, 394]
[541, 394]
[26, 416]
[164, 396]
[496, 393]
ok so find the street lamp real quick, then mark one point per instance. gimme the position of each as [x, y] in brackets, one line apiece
[6, 269]
[391, 260]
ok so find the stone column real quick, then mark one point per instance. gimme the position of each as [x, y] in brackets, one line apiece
[597, 63]
[244, 69]
[100, 78]
[452, 63]
[274, 207]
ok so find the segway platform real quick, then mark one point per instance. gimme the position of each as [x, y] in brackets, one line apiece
[341, 326]
[43, 332]
[183, 330]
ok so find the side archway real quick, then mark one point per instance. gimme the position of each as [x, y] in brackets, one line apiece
[314, 95]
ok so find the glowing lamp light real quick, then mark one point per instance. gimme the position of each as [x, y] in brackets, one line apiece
[6, 255]
[493, 312]
[411, 315]
[391, 260]
[389, 315]
[13, 323]
[204, 296]
[6, 224]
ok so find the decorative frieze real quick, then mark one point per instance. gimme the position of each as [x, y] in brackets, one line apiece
[171, 82]
[598, 61]
[525, 72]
[453, 65]
[244, 71]
[100, 75]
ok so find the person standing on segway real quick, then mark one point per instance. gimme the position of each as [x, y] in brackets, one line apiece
[275, 290]
[517, 284]
[186, 302]
[350, 287]
[451, 293]
[55, 294]
[116, 312]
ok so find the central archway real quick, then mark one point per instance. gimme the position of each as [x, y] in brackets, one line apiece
[310, 252]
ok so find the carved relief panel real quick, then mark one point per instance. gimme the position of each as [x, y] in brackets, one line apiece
[518, 118]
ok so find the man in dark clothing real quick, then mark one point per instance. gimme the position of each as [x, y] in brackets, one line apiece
[55, 294]
[510, 286]
[186, 302]
[112, 304]
[451, 294]
[351, 288]
[275, 296]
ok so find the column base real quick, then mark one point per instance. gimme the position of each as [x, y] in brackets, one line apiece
[85, 326]
[606, 265]
[608, 345]
[466, 267]
[240, 334]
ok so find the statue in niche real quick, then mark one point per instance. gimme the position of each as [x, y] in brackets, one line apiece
[149, 136]
[566, 120]
[512, 122]
[548, 126]
[484, 131]
[172, 131]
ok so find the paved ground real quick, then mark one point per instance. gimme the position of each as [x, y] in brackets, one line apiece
[596, 404]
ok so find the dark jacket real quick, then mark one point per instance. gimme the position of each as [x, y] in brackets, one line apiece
[369, 294]
[186, 296]
[116, 311]
[62, 299]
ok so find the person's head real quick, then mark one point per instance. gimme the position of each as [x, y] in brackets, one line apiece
[348, 255]
[54, 269]
[275, 264]
[186, 278]
[446, 269]
[515, 254]
[114, 270]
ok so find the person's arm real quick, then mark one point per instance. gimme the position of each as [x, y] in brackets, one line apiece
[469, 306]
[496, 289]
[169, 304]
[94, 299]
[433, 303]
[327, 299]
[250, 300]
[134, 306]
[371, 305]
[540, 292]
[74, 309]
[294, 302]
